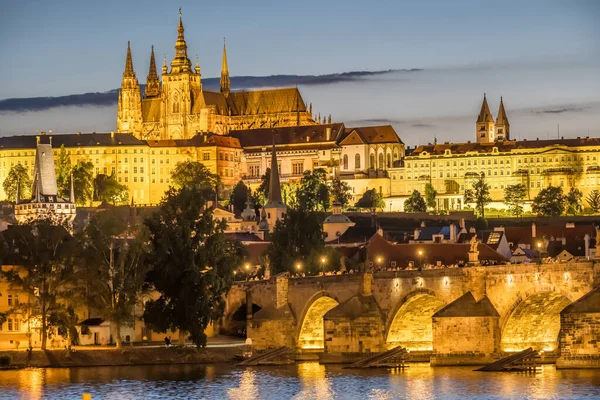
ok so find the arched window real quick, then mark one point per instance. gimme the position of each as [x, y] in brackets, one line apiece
[357, 161]
[345, 161]
[175, 108]
[372, 161]
[395, 156]
[389, 160]
[380, 165]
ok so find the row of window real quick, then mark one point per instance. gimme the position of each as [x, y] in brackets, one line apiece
[12, 325]
[382, 163]
[519, 161]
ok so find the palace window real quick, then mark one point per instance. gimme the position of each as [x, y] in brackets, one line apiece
[381, 166]
[206, 156]
[372, 161]
[345, 161]
[141, 170]
[298, 167]
[389, 160]
[135, 170]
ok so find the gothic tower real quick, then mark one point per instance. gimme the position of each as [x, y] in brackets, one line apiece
[485, 124]
[502, 124]
[225, 82]
[275, 208]
[152, 82]
[129, 115]
[181, 89]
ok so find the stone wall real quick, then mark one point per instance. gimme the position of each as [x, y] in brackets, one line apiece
[458, 335]
[360, 335]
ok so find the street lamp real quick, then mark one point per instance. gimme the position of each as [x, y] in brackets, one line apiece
[323, 259]
[539, 245]
[298, 266]
[420, 258]
[379, 260]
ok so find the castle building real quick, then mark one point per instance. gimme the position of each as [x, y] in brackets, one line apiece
[177, 106]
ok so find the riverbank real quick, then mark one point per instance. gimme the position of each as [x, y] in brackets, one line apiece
[121, 357]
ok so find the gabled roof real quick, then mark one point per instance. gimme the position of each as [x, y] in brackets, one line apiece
[355, 234]
[288, 135]
[257, 102]
[371, 134]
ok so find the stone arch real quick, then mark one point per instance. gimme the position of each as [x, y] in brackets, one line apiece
[533, 320]
[410, 323]
[311, 334]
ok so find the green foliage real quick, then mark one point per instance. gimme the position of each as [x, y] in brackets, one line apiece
[289, 194]
[192, 264]
[341, 192]
[44, 253]
[513, 197]
[239, 196]
[415, 203]
[574, 201]
[261, 194]
[481, 195]
[65, 320]
[430, 195]
[313, 194]
[63, 172]
[296, 239]
[593, 199]
[469, 196]
[195, 174]
[107, 189]
[83, 182]
[370, 199]
[550, 202]
[114, 266]
[17, 177]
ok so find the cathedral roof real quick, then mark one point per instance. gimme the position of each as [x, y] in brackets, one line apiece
[288, 135]
[151, 109]
[257, 102]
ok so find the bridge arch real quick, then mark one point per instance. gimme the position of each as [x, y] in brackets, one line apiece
[311, 334]
[410, 323]
[533, 320]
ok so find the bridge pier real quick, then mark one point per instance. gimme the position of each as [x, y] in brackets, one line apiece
[466, 332]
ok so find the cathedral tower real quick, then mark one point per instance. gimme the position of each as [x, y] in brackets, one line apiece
[225, 82]
[152, 82]
[275, 209]
[485, 124]
[129, 116]
[502, 125]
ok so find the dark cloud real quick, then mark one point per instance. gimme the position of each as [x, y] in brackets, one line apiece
[560, 110]
[421, 125]
[237, 82]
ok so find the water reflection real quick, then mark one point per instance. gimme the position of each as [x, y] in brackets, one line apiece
[315, 383]
[247, 389]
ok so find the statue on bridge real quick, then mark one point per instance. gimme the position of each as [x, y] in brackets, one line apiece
[473, 251]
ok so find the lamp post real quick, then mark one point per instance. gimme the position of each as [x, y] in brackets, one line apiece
[323, 265]
[420, 259]
[539, 246]
[379, 260]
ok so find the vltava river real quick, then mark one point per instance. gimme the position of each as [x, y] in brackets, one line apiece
[300, 381]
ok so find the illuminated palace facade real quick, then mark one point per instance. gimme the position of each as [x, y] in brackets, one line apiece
[177, 106]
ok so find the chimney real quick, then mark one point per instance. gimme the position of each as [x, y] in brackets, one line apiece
[586, 239]
[328, 134]
[533, 230]
[453, 233]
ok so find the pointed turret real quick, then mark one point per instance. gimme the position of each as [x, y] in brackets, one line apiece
[180, 62]
[485, 124]
[152, 82]
[502, 124]
[225, 82]
[129, 115]
[128, 73]
[275, 209]
[164, 67]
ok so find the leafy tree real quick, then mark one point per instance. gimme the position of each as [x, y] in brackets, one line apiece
[192, 265]
[63, 172]
[239, 196]
[513, 197]
[593, 199]
[296, 239]
[469, 196]
[370, 199]
[341, 192]
[481, 195]
[83, 182]
[195, 174]
[107, 189]
[114, 267]
[261, 194]
[415, 203]
[574, 200]
[550, 202]
[44, 253]
[314, 192]
[289, 194]
[17, 177]
[430, 195]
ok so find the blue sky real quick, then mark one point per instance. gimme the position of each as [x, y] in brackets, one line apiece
[53, 48]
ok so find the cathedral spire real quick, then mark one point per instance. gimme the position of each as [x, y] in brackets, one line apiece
[485, 115]
[152, 82]
[128, 64]
[180, 62]
[485, 124]
[502, 124]
[225, 82]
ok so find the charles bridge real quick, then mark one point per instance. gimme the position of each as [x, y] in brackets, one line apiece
[457, 315]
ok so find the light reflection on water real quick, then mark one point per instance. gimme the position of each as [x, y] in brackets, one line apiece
[300, 381]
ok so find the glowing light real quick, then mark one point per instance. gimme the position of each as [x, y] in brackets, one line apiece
[509, 278]
[446, 281]
[323, 260]
[539, 245]
[548, 348]
[420, 252]
[312, 334]
[298, 266]
[247, 266]
[566, 276]
[379, 260]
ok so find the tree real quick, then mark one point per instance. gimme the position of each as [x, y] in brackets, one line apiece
[513, 197]
[430, 195]
[239, 196]
[107, 189]
[593, 199]
[314, 192]
[296, 239]
[192, 265]
[195, 174]
[289, 194]
[83, 182]
[114, 267]
[574, 201]
[550, 202]
[415, 203]
[63, 172]
[481, 195]
[261, 194]
[341, 192]
[44, 253]
[370, 199]
[17, 177]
